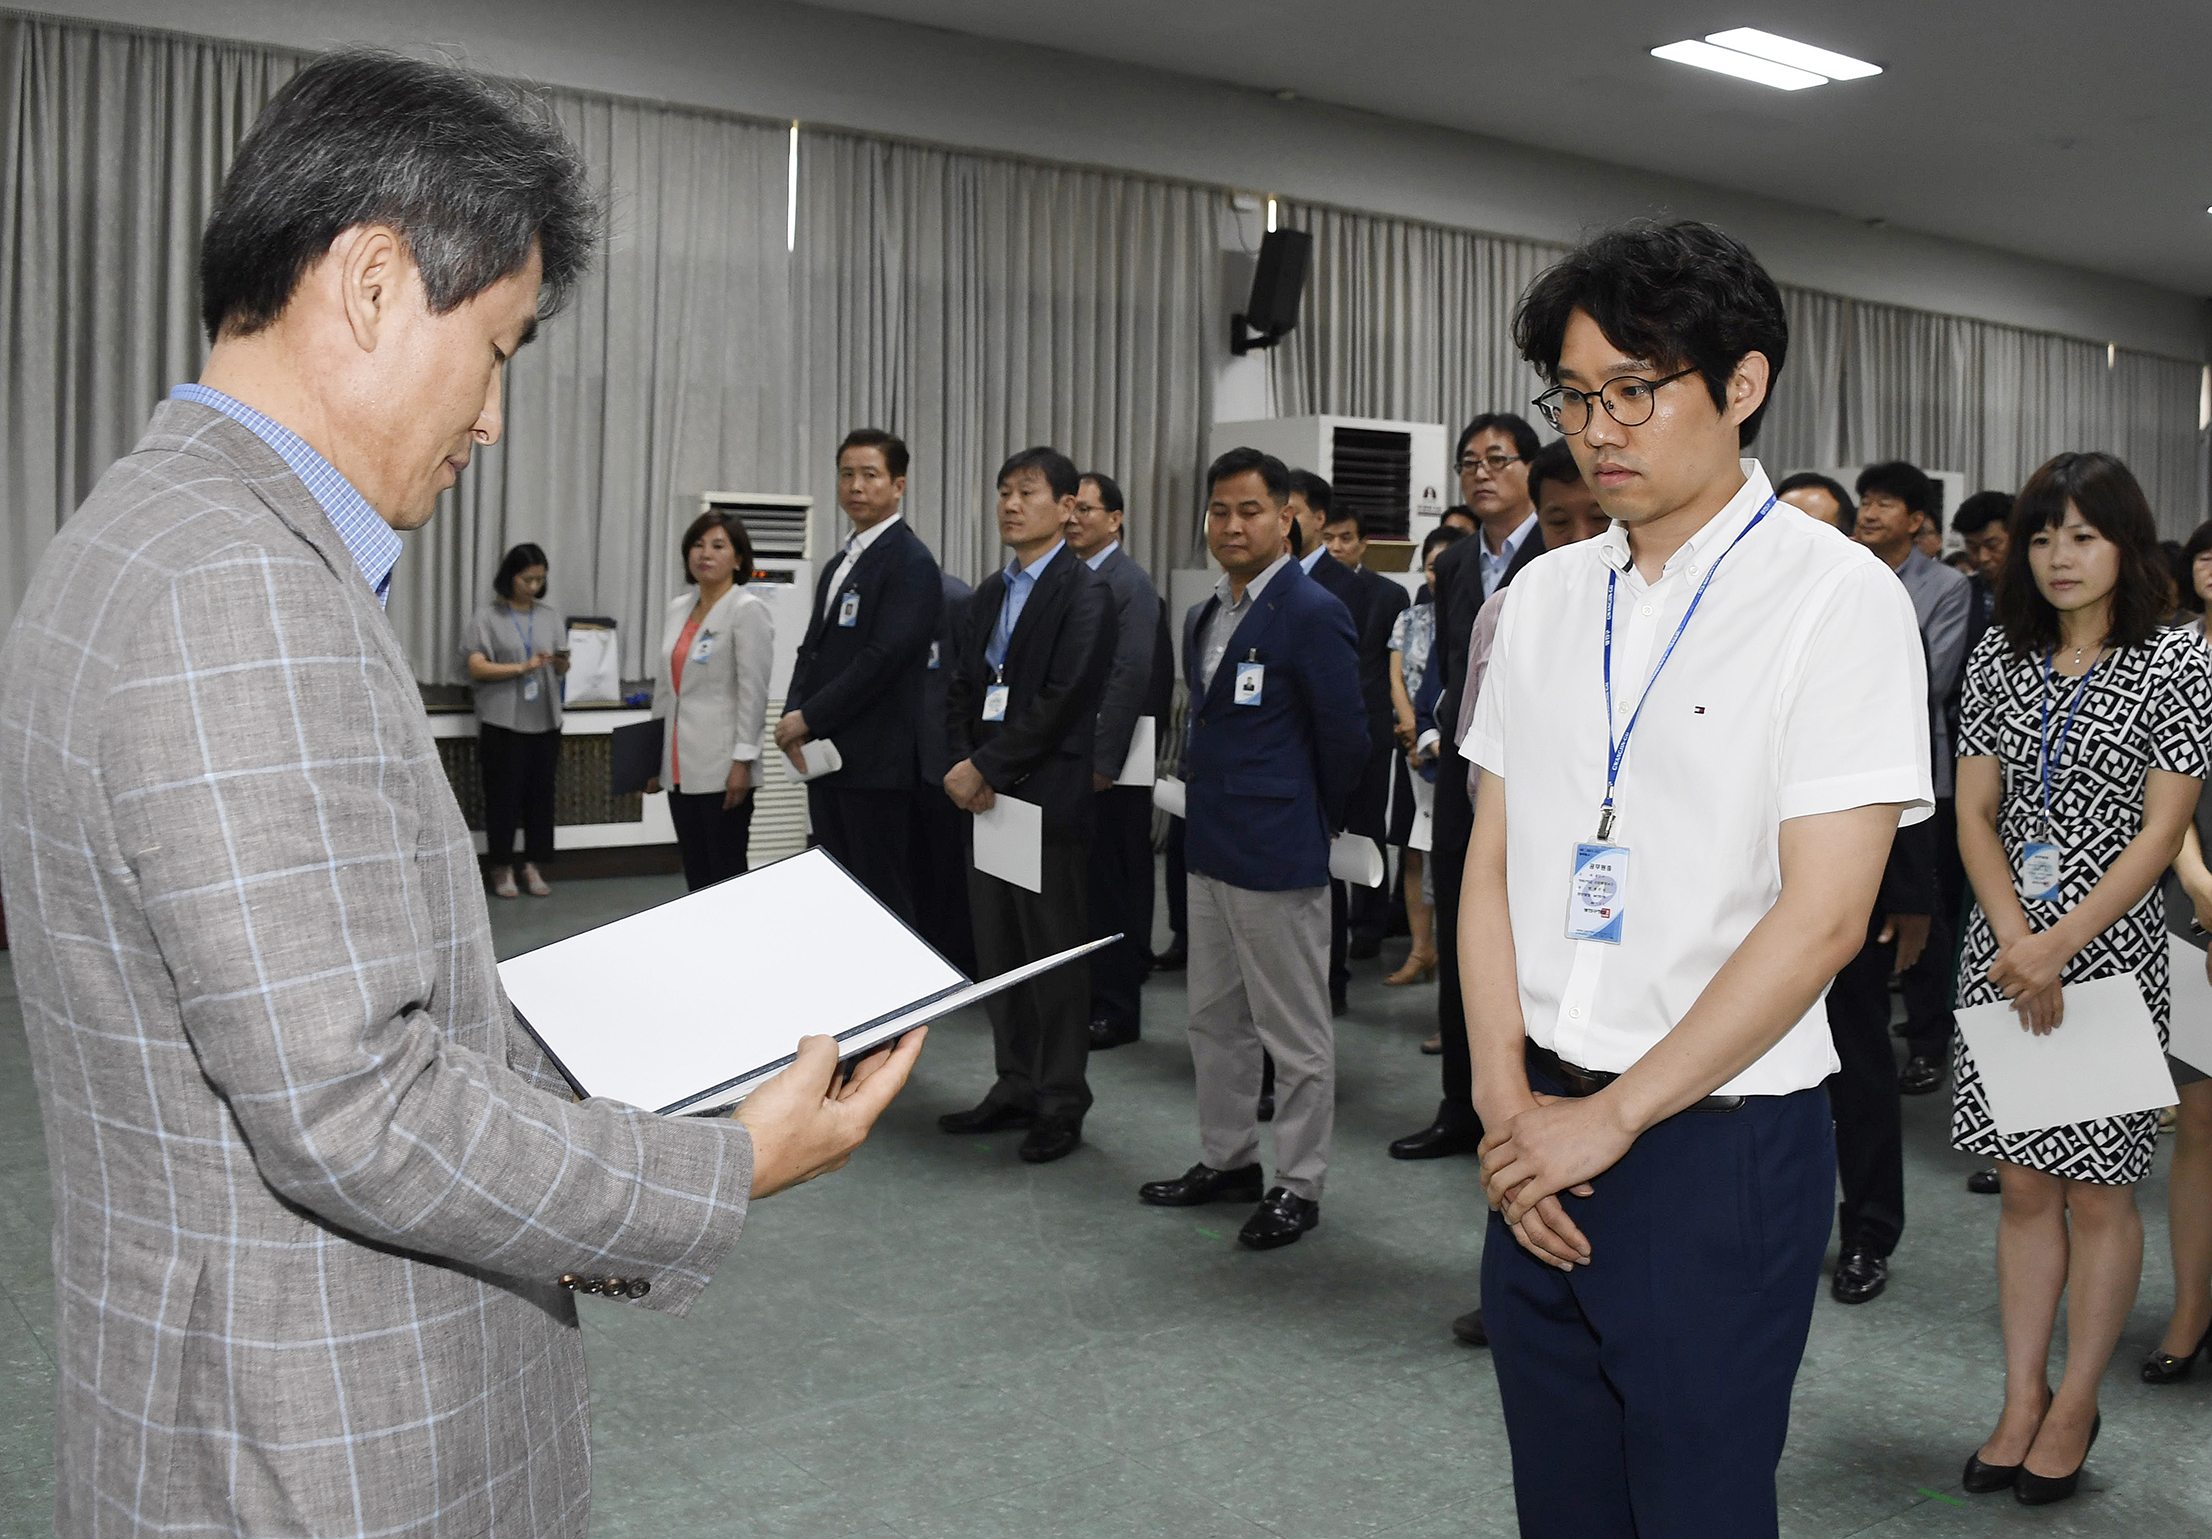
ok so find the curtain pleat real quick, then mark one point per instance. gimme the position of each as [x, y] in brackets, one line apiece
[974, 304]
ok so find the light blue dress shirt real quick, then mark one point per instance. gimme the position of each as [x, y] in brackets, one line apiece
[368, 539]
[1095, 562]
[1020, 581]
[1493, 568]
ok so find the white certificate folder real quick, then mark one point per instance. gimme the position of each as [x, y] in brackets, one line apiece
[689, 1006]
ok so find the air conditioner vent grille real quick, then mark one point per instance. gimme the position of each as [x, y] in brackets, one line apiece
[1372, 471]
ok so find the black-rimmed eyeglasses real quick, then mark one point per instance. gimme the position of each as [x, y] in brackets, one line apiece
[1628, 400]
[1496, 463]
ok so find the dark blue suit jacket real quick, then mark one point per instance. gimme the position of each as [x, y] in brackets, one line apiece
[1267, 784]
[861, 684]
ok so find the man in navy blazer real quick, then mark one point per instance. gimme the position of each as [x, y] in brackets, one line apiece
[857, 681]
[1277, 739]
[938, 870]
[1021, 720]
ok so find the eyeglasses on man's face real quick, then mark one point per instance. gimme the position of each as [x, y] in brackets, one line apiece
[1496, 462]
[1627, 399]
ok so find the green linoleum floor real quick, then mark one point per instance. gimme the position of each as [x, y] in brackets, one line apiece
[942, 1341]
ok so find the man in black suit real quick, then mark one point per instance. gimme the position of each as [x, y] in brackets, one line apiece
[1493, 457]
[1021, 719]
[857, 682]
[938, 873]
[1344, 532]
[1138, 687]
[1312, 500]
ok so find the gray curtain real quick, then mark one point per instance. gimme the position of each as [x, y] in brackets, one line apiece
[1406, 320]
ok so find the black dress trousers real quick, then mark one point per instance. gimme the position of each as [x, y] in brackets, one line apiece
[867, 833]
[1448, 858]
[1041, 1029]
[1930, 985]
[1870, 1132]
[518, 770]
[1121, 902]
[938, 838]
[714, 843]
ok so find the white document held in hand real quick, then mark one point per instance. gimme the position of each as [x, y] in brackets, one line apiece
[819, 756]
[1357, 859]
[1142, 766]
[1167, 795]
[2102, 1061]
[1010, 842]
[2189, 1033]
[688, 1006]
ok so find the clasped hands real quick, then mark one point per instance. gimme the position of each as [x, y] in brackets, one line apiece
[1553, 1145]
[2027, 972]
[970, 792]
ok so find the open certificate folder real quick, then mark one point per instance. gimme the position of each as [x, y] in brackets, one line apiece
[687, 1007]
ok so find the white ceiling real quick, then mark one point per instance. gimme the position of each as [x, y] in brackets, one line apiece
[2060, 130]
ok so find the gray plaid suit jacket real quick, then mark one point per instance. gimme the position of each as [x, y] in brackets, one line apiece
[313, 1188]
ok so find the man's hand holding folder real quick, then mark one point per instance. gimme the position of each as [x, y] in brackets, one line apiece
[808, 1120]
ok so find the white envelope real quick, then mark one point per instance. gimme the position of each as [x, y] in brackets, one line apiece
[1167, 795]
[2102, 1061]
[1142, 766]
[1010, 841]
[2189, 1034]
[1357, 859]
[819, 756]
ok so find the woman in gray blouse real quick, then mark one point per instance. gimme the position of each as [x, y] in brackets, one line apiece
[517, 650]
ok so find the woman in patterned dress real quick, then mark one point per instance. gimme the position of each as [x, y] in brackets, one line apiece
[2077, 663]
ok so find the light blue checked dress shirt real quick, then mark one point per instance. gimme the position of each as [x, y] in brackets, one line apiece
[1020, 580]
[368, 539]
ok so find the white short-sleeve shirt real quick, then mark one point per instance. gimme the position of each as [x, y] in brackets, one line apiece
[1799, 688]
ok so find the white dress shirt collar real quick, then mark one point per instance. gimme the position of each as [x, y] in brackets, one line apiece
[1613, 547]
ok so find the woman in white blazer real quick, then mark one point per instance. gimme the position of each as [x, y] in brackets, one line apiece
[710, 685]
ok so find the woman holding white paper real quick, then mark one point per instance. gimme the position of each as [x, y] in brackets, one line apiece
[711, 687]
[2082, 749]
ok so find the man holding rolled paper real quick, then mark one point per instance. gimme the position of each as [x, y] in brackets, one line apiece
[1278, 737]
[1030, 660]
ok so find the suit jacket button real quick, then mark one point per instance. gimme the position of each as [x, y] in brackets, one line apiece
[571, 1281]
[639, 1287]
[614, 1287]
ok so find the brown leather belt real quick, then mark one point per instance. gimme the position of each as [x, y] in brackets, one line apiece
[1575, 1081]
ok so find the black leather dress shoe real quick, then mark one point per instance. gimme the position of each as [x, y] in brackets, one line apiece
[1174, 959]
[2032, 1490]
[1470, 1329]
[1278, 1220]
[1860, 1275]
[1435, 1142]
[1105, 1034]
[1265, 1112]
[1920, 1076]
[990, 1117]
[1053, 1138]
[1203, 1184]
[1984, 1183]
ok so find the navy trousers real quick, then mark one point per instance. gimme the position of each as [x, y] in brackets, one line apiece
[1647, 1394]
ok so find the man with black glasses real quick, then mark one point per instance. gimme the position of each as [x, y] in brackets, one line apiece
[1695, 810]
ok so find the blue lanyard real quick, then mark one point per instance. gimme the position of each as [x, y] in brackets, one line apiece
[2044, 757]
[529, 641]
[1617, 750]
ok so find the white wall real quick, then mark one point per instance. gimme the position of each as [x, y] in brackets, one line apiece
[777, 59]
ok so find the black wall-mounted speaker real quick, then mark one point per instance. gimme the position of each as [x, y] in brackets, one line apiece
[1278, 285]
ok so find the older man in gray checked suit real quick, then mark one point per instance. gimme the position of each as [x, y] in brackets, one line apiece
[320, 1207]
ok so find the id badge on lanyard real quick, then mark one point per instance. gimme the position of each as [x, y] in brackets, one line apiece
[1597, 886]
[2042, 871]
[848, 610]
[529, 640]
[994, 699]
[1251, 680]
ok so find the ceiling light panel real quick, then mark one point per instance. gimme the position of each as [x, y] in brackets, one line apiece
[1743, 66]
[1783, 50]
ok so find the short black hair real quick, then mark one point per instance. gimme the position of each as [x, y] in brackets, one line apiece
[730, 524]
[1273, 472]
[1683, 295]
[1979, 511]
[1847, 507]
[1439, 537]
[1058, 470]
[514, 564]
[1908, 483]
[1352, 516]
[2184, 594]
[1459, 510]
[1554, 462]
[892, 447]
[1109, 491]
[2199, 541]
[1525, 441]
[472, 175]
[2111, 500]
[1318, 493]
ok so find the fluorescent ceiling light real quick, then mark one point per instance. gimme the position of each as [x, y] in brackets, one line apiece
[1782, 50]
[1743, 66]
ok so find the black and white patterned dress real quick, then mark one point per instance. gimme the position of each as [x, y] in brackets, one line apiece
[2144, 708]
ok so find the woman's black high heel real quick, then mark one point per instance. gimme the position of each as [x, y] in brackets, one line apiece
[2164, 1368]
[2032, 1490]
[1980, 1479]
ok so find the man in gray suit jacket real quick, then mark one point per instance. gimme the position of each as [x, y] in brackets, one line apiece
[321, 1208]
[1139, 686]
